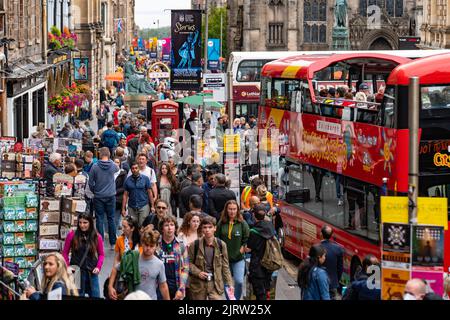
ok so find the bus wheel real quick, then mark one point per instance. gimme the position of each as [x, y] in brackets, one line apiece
[355, 267]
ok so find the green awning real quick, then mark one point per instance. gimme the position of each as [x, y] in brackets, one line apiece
[197, 100]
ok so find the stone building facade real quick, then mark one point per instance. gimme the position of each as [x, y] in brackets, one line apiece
[87, 22]
[265, 25]
[124, 10]
[435, 28]
[24, 67]
[200, 4]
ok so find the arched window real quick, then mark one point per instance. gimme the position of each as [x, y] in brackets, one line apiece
[307, 11]
[315, 34]
[306, 33]
[323, 34]
[314, 11]
[323, 10]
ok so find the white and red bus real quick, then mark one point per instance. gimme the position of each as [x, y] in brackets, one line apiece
[341, 157]
[246, 67]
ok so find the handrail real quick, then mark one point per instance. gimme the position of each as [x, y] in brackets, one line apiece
[368, 103]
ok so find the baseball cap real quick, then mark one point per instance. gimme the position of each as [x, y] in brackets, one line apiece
[363, 86]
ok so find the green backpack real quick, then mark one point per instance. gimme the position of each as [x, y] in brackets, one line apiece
[272, 260]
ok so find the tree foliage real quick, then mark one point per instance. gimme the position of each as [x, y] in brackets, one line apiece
[214, 27]
[163, 32]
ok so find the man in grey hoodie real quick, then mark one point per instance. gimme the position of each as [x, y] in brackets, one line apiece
[102, 185]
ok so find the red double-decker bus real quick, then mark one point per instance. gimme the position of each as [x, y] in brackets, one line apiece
[340, 153]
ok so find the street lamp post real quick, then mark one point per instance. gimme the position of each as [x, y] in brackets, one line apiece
[205, 66]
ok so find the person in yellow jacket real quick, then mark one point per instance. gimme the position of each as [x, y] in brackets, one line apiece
[250, 191]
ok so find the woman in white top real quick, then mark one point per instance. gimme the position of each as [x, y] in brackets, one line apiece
[189, 230]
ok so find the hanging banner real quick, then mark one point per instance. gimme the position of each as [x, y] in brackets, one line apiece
[118, 25]
[186, 50]
[166, 49]
[141, 44]
[153, 48]
[213, 54]
[80, 68]
[134, 43]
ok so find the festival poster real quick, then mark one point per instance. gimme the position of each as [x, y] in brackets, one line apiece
[186, 50]
[434, 279]
[213, 54]
[153, 48]
[166, 49]
[428, 247]
[134, 43]
[393, 282]
[118, 25]
[141, 44]
[80, 67]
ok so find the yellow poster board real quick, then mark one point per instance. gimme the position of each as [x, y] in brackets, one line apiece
[432, 211]
[394, 209]
[231, 143]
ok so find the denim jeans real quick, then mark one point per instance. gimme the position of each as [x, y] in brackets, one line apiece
[238, 273]
[117, 221]
[89, 285]
[106, 206]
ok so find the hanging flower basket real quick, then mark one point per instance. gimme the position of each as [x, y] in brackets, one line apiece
[68, 101]
[58, 39]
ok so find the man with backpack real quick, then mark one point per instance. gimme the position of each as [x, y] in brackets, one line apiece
[110, 138]
[265, 254]
[209, 269]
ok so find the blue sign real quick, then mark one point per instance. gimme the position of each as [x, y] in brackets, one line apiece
[213, 54]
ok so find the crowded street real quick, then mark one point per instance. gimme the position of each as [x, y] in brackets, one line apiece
[224, 150]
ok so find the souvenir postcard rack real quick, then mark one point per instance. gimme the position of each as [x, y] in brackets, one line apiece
[19, 212]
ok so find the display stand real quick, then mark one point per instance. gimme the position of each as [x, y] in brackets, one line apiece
[19, 210]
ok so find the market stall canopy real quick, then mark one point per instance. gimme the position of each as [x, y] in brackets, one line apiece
[117, 76]
[197, 100]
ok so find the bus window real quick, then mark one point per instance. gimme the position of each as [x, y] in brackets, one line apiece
[332, 197]
[388, 108]
[250, 70]
[313, 181]
[277, 93]
[435, 97]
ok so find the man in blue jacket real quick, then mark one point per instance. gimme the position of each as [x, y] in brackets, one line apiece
[334, 263]
[102, 185]
[110, 138]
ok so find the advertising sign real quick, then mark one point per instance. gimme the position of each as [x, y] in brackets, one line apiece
[216, 83]
[393, 282]
[166, 49]
[396, 246]
[153, 47]
[80, 68]
[428, 247]
[432, 211]
[186, 50]
[394, 209]
[213, 54]
[434, 279]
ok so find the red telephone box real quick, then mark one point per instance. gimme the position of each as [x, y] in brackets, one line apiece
[165, 118]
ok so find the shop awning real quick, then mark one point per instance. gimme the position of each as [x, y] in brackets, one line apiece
[117, 76]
